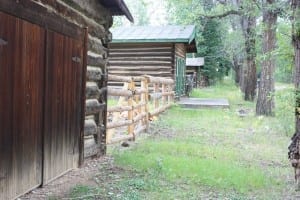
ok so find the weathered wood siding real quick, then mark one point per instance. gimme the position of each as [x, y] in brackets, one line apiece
[42, 64]
[21, 105]
[154, 59]
[62, 114]
[180, 50]
[46, 101]
[91, 14]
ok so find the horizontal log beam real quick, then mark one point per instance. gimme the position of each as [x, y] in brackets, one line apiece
[157, 58]
[142, 49]
[134, 54]
[119, 108]
[93, 107]
[95, 45]
[90, 127]
[128, 62]
[94, 74]
[119, 78]
[119, 124]
[72, 14]
[93, 92]
[95, 59]
[160, 80]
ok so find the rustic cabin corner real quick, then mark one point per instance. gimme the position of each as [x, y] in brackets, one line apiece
[48, 109]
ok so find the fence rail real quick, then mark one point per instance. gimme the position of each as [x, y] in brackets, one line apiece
[140, 99]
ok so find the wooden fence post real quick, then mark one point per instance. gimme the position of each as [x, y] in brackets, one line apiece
[156, 91]
[145, 99]
[163, 90]
[131, 112]
[170, 99]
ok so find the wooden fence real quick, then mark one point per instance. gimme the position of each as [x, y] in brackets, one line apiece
[140, 99]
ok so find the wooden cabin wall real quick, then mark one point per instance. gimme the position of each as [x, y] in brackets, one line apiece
[138, 59]
[180, 50]
[98, 20]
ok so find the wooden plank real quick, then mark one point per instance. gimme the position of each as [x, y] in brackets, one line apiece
[24, 9]
[82, 100]
[21, 106]
[8, 34]
[63, 105]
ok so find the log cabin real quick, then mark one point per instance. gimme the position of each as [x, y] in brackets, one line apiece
[53, 78]
[151, 50]
[193, 68]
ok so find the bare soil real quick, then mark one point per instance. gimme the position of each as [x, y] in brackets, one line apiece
[60, 188]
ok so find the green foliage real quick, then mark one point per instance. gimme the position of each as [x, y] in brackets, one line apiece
[210, 35]
[285, 53]
[139, 11]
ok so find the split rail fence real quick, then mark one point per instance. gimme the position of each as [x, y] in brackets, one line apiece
[140, 100]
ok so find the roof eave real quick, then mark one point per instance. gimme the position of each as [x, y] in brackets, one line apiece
[118, 7]
[150, 40]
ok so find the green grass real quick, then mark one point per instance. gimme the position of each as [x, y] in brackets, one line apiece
[215, 148]
[208, 153]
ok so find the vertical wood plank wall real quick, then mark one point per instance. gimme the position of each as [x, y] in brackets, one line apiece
[62, 104]
[21, 106]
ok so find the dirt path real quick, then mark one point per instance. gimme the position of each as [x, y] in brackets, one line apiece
[60, 187]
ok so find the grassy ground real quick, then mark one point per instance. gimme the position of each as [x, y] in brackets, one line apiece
[205, 154]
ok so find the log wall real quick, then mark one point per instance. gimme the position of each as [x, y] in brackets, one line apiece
[98, 20]
[138, 59]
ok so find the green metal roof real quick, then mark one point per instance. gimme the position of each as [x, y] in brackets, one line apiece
[141, 34]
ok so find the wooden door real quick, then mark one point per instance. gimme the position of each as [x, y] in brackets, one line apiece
[62, 104]
[180, 76]
[21, 105]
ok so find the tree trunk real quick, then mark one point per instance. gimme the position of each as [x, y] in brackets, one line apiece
[296, 44]
[265, 102]
[249, 79]
[294, 149]
[237, 70]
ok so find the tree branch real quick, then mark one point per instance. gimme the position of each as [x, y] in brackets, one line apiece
[230, 12]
